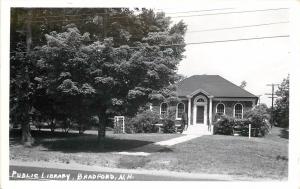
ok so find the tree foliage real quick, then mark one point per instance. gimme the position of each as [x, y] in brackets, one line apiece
[259, 118]
[261, 109]
[243, 84]
[281, 109]
[109, 62]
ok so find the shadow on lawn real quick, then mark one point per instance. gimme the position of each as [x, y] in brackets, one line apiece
[73, 143]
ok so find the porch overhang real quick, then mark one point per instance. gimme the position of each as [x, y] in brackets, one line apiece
[198, 91]
[190, 96]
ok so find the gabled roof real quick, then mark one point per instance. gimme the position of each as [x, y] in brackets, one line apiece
[213, 85]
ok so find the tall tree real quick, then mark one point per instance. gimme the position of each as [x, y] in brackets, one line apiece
[243, 84]
[281, 111]
[21, 82]
[109, 66]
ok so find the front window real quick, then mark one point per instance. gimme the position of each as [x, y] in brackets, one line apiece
[163, 109]
[220, 109]
[180, 110]
[238, 111]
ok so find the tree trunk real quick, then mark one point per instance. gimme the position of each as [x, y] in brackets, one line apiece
[52, 125]
[101, 128]
[26, 139]
[26, 136]
[81, 129]
[28, 31]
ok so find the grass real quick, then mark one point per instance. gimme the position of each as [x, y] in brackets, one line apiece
[74, 143]
[256, 157]
[82, 149]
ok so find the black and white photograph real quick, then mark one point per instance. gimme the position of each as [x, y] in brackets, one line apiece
[149, 93]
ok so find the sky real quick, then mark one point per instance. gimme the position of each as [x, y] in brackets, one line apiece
[258, 62]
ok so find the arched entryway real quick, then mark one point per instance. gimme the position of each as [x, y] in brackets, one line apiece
[200, 111]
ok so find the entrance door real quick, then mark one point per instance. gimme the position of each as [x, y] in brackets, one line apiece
[200, 115]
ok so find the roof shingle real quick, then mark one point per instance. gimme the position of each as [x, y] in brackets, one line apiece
[215, 85]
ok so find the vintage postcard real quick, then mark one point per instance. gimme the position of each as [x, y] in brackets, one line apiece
[189, 91]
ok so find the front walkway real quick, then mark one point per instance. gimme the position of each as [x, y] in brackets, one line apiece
[154, 147]
[177, 140]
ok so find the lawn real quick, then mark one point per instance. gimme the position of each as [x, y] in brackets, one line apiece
[82, 149]
[263, 158]
[239, 156]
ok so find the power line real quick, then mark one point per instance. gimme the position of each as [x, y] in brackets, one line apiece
[207, 10]
[204, 42]
[95, 14]
[235, 12]
[102, 13]
[226, 28]
[236, 27]
[216, 29]
[241, 39]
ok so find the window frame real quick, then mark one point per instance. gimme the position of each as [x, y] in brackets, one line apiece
[160, 109]
[179, 118]
[234, 110]
[217, 108]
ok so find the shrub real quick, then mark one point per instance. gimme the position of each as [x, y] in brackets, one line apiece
[129, 125]
[143, 122]
[169, 126]
[258, 118]
[228, 126]
[241, 126]
[168, 121]
[259, 122]
[224, 125]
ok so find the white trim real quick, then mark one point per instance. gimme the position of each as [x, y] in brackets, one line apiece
[200, 96]
[160, 107]
[179, 118]
[242, 110]
[199, 90]
[224, 108]
[210, 110]
[235, 99]
[189, 111]
[204, 104]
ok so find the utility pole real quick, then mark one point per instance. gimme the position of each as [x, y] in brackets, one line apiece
[273, 96]
[258, 99]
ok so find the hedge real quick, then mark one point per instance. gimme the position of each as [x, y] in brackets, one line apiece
[147, 122]
[227, 125]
